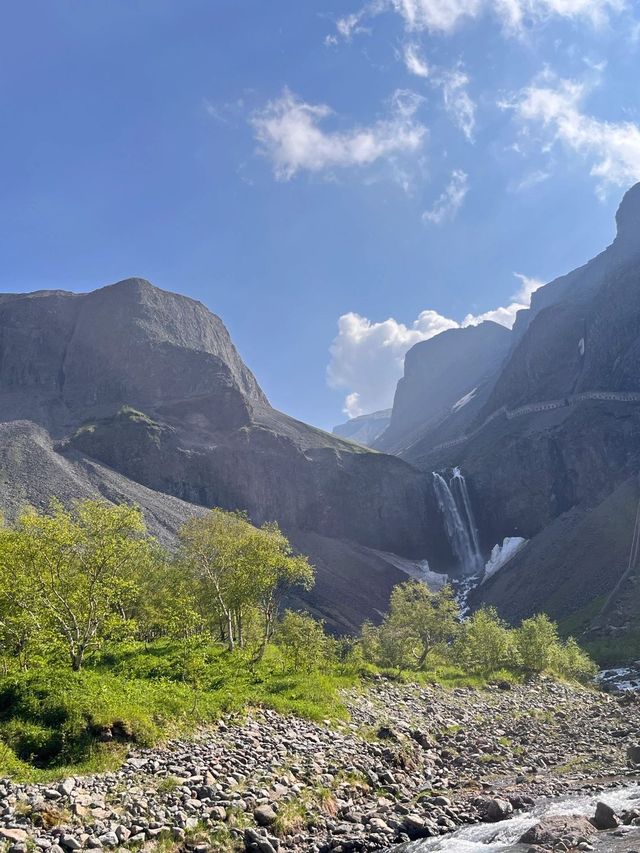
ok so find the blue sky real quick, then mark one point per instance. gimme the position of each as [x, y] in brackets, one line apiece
[336, 180]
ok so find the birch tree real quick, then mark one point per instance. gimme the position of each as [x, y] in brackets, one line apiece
[76, 571]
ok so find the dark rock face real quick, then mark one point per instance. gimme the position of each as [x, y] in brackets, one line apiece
[582, 283]
[145, 383]
[438, 374]
[552, 452]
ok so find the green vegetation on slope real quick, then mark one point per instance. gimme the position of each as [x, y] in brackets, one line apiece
[108, 640]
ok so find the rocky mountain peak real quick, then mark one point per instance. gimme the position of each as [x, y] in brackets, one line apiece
[628, 217]
[65, 357]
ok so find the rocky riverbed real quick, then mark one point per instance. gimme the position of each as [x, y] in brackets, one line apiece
[412, 763]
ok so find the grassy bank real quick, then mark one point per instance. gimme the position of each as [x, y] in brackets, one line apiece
[54, 722]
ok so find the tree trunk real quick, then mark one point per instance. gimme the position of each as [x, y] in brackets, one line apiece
[230, 640]
[240, 634]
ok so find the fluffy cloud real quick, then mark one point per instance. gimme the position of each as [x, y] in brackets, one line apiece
[449, 202]
[367, 358]
[506, 314]
[445, 16]
[291, 135]
[612, 148]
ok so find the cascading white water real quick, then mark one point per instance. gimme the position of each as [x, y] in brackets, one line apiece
[458, 520]
[459, 481]
[503, 837]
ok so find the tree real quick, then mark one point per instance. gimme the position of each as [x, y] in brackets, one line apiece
[168, 602]
[242, 567]
[572, 662]
[387, 645]
[485, 643]
[302, 640]
[278, 570]
[427, 618]
[537, 640]
[17, 633]
[418, 621]
[215, 548]
[76, 571]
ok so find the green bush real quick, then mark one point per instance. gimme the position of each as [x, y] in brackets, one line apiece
[31, 742]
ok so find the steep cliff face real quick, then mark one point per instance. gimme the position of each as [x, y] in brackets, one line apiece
[147, 385]
[442, 375]
[558, 437]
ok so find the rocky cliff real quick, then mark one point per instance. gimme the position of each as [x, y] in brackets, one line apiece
[136, 393]
[552, 453]
[441, 376]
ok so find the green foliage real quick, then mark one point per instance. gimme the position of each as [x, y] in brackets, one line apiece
[304, 644]
[241, 569]
[423, 633]
[569, 660]
[418, 622]
[537, 641]
[71, 575]
[106, 639]
[59, 720]
[485, 644]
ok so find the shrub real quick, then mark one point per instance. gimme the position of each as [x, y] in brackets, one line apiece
[538, 643]
[485, 643]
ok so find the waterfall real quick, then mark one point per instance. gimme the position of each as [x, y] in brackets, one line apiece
[455, 505]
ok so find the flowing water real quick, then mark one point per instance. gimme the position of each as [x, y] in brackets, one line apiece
[455, 505]
[503, 837]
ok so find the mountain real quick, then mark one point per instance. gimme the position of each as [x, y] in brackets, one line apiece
[441, 377]
[364, 429]
[139, 394]
[552, 451]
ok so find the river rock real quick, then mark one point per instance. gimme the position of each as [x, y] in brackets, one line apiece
[552, 830]
[633, 754]
[605, 817]
[498, 809]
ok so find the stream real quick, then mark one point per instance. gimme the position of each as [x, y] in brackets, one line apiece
[503, 837]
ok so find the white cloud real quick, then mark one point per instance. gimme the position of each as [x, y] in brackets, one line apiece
[444, 16]
[367, 358]
[414, 61]
[611, 148]
[438, 15]
[538, 176]
[290, 134]
[457, 100]
[453, 84]
[506, 314]
[449, 202]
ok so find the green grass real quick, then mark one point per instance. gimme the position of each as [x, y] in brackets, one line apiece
[578, 622]
[448, 675]
[54, 722]
[614, 651]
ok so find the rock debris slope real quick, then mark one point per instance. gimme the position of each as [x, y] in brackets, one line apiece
[414, 762]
